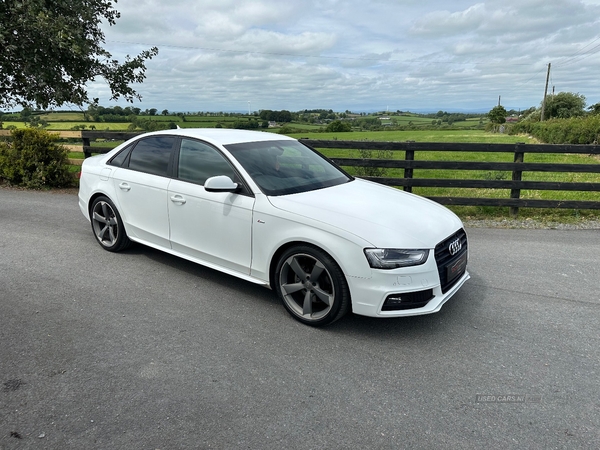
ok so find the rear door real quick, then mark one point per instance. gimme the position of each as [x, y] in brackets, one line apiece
[141, 187]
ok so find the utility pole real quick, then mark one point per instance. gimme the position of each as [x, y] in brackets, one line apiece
[499, 100]
[545, 93]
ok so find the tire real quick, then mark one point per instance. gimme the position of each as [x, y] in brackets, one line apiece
[107, 225]
[311, 286]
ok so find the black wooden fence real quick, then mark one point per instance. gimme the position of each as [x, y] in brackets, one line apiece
[411, 162]
[516, 168]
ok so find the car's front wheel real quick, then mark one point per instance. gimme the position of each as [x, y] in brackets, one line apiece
[107, 225]
[312, 286]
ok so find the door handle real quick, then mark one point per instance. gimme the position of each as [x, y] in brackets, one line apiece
[178, 199]
[124, 187]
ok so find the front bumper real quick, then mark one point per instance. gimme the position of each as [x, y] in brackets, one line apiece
[369, 295]
[414, 290]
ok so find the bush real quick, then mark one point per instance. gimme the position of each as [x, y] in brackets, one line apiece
[576, 130]
[245, 124]
[33, 159]
[337, 126]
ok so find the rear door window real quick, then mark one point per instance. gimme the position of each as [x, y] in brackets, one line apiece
[152, 155]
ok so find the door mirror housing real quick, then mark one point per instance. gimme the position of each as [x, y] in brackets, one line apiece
[220, 183]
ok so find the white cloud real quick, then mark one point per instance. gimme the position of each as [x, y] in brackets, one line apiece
[357, 55]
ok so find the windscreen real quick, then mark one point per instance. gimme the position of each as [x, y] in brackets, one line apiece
[286, 167]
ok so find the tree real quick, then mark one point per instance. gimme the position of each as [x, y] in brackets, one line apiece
[337, 126]
[51, 49]
[165, 112]
[26, 114]
[497, 115]
[565, 105]
[265, 114]
[284, 116]
[594, 109]
[37, 122]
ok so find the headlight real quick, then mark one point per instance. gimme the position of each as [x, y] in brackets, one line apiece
[392, 258]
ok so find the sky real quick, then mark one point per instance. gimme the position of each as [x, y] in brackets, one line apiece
[367, 55]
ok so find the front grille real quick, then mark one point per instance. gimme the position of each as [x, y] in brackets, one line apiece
[446, 260]
[409, 300]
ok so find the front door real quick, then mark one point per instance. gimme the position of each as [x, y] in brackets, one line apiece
[213, 227]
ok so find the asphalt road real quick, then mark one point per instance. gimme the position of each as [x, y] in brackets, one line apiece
[141, 350]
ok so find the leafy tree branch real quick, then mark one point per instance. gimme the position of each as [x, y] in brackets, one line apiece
[52, 48]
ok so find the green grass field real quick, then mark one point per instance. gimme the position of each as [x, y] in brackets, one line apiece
[482, 137]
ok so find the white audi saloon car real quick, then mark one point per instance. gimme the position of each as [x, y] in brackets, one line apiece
[270, 210]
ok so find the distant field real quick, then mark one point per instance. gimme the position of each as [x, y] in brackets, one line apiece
[66, 126]
[419, 136]
[304, 126]
[203, 121]
[68, 120]
[63, 117]
[310, 132]
[419, 121]
[99, 126]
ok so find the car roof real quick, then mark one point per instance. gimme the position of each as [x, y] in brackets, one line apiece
[224, 136]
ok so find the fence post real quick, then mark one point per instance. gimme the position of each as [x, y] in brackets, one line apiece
[86, 143]
[517, 176]
[409, 155]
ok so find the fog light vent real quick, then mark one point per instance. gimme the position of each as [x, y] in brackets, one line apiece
[408, 300]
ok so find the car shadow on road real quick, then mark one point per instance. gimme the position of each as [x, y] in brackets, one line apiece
[455, 315]
[202, 272]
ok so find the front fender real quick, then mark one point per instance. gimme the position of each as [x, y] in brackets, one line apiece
[272, 232]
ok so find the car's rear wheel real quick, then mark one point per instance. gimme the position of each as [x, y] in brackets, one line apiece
[312, 286]
[108, 226]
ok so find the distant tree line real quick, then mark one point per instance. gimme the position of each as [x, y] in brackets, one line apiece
[282, 116]
[450, 118]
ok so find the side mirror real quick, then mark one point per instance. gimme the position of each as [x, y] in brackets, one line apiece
[220, 183]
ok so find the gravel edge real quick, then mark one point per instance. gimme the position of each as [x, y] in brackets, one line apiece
[583, 224]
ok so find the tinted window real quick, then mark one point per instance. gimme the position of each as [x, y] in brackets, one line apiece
[120, 157]
[151, 155]
[286, 167]
[199, 161]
